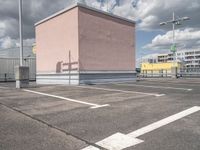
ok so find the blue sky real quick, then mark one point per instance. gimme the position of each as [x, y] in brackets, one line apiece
[151, 38]
[142, 39]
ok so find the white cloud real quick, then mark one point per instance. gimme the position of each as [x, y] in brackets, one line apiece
[187, 38]
[7, 42]
[2, 29]
[29, 42]
[148, 13]
[148, 21]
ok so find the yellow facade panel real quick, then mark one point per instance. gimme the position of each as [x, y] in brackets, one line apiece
[159, 66]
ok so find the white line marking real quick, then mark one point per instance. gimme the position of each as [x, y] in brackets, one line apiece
[68, 99]
[116, 141]
[99, 106]
[163, 87]
[171, 83]
[120, 141]
[116, 90]
[1, 87]
[164, 122]
[91, 148]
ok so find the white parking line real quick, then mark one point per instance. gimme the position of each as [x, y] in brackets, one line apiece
[123, 91]
[93, 106]
[158, 87]
[164, 122]
[119, 141]
[116, 141]
[171, 83]
[1, 87]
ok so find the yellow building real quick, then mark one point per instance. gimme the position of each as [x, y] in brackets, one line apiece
[159, 69]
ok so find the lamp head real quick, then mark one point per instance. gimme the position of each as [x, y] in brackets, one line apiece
[186, 18]
[163, 23]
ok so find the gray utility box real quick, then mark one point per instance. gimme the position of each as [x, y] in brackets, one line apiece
[22, 76]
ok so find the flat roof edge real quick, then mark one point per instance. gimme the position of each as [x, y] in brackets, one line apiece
[87, 7]
[55, 14]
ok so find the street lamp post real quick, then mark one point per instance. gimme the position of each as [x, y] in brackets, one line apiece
[20, 33]
[173, 42]
[21, 71]
[174, 21]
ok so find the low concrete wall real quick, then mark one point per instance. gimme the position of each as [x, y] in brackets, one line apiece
[86, 77]
[106, 76]
[58, 78]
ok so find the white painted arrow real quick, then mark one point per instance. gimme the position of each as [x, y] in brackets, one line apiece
[120, 141]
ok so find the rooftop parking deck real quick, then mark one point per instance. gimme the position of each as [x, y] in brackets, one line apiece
[151, 114]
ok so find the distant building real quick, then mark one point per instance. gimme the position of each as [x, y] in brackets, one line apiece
[81, 45]
[187, 61]
[163, 58]
[189, 58]
[151, 58]
[162, 69]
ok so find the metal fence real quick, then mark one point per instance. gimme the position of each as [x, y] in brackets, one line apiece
[162, 73]
[190, 72]
[156, 73]
[7, 68]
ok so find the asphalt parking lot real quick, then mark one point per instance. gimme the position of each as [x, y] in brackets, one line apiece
[151, 114]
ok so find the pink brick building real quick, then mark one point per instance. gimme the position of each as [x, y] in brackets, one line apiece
[84, 45]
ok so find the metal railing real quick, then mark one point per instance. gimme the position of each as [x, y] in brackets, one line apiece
[184, 72]
[155, 73]
[190, 72]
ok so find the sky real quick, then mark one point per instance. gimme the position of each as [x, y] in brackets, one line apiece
[150, 36]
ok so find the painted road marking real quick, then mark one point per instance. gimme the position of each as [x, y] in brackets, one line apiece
[91, 148]
[1, 87]
[116, 141]
[116, 90]
[151, 86]
[164, 122]
[93, 106]
[171, 83]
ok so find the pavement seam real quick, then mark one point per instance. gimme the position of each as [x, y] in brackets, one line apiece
[53, 127]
